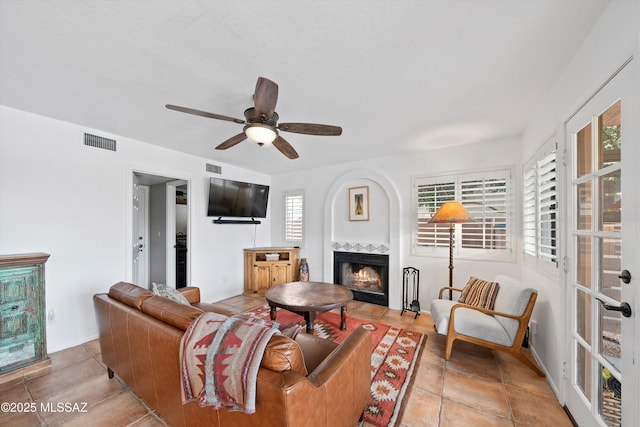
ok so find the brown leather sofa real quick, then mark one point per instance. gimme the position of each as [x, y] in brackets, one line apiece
[140, 337]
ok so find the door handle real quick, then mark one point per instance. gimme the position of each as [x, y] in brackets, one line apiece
[625, 276]
[624, 307]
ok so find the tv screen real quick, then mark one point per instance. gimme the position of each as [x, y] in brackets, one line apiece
[237, 199]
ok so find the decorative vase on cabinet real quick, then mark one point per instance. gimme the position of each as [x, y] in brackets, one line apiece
[304, 270]
[22, 313]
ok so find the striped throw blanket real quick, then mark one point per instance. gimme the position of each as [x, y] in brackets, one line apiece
[220, 358]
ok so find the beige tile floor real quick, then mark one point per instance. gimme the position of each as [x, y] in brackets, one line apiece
[477, 387]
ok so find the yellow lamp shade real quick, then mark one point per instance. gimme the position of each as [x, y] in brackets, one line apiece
[451, 213]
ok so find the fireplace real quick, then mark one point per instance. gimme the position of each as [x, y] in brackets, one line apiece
[366, 275]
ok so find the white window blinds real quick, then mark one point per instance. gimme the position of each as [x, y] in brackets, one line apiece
[540, 207]
[294, 216]
[547, 208]
[486, 196]
[529, 218]
[429, 199]
[486, 201]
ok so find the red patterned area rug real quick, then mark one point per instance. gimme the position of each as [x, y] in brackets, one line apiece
[394, 356]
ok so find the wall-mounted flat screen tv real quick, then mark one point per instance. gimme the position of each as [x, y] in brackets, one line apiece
[237, 199]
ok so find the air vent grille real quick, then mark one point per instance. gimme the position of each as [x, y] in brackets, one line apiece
[99, 142]
[214, 168]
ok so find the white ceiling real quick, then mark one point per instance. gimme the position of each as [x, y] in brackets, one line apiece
[398, 76]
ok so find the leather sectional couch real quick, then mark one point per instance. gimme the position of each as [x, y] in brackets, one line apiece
[307, 382]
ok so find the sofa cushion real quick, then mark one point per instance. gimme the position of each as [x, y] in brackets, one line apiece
[214, 308]
[129, 294]
[169, 292]
[480, 293]
[283, 354]
[170, 311]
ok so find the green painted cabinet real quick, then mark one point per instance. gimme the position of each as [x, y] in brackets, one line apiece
[22, 311]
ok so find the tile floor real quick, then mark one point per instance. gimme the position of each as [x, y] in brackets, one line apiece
[477, 387]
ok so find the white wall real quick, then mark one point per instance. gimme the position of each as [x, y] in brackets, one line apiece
[399, 170]
[71, 201]
[612, 40]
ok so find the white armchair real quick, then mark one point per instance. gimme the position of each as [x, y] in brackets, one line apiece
[502, 328]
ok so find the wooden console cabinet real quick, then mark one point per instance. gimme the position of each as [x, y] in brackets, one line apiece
[261, 274]
[23, 344]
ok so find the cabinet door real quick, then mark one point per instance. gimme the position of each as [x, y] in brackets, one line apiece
[281, 274]
[262, 279]
[19, 327]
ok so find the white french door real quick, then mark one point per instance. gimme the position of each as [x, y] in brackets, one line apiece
[602, 141]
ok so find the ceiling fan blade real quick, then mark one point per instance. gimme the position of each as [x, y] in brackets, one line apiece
[203, 113]
[285, 148]
[311, 129]
[232, 141]
[265, 97]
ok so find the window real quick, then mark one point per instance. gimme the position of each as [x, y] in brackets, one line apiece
[294, 216]
[485, 195]
[529, 211]
[486, 201]
[540, 208]
[430, 196]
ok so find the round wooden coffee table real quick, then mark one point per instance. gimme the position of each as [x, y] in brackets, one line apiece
[309, 299]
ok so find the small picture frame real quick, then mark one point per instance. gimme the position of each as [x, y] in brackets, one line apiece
[359, 203]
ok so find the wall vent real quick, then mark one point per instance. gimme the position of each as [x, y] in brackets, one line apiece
[214, 168]
[99, 142]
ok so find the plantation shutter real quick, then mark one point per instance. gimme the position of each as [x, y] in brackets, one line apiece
[294, 216]
[529, 211]
[485, 195]
[547, 207]
[429, 199]
[486, 201]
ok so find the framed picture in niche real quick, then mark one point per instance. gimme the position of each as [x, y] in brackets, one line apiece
[359, 203]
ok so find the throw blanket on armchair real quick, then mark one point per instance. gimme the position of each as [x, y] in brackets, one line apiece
[220, 359]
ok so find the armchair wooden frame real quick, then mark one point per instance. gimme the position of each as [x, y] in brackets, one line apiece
[515, 350]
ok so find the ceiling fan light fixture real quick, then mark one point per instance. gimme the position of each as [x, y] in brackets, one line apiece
[261, 122]
[260, 134]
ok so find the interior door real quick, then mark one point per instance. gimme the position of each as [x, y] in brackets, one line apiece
[602, 145]
[139, 252]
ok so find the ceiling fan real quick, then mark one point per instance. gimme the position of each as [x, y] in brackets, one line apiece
[261, 121]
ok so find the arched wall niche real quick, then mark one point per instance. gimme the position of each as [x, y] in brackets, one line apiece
[381, 234]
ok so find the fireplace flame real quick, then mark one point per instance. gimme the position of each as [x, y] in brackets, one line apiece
[366, 278]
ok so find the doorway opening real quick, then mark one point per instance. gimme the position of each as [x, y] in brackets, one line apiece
[160, 230]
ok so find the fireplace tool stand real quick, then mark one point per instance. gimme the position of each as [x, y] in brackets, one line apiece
[410, 290]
